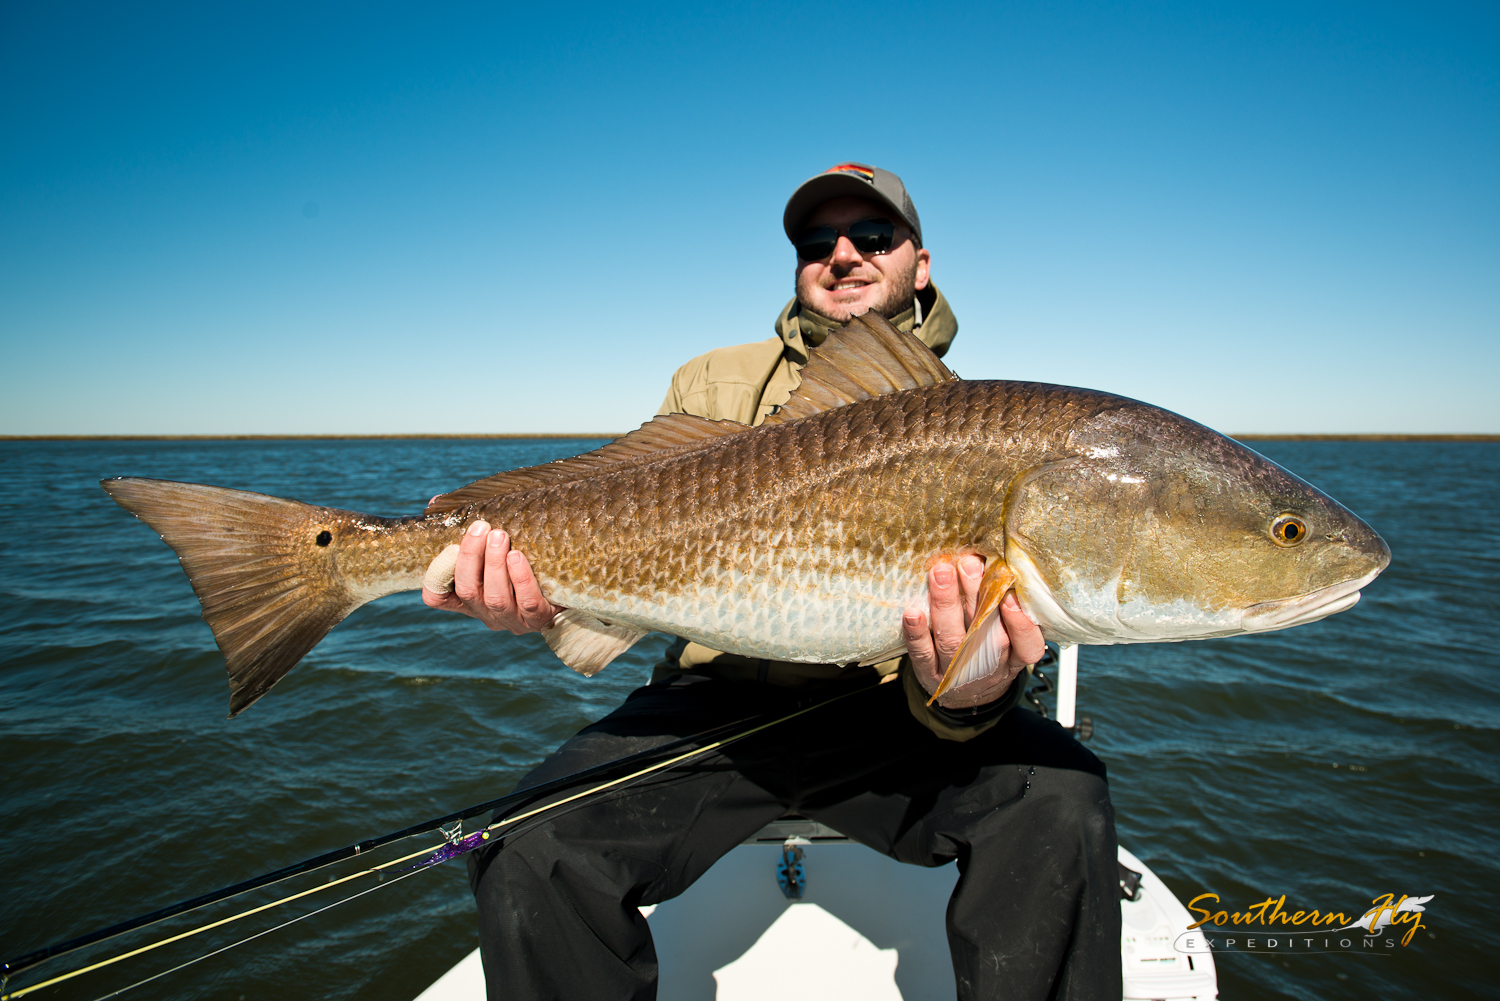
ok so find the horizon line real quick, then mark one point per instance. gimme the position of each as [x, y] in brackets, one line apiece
[618, 434]
[295, 437]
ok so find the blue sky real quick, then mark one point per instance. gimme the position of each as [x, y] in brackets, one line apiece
[362, 219]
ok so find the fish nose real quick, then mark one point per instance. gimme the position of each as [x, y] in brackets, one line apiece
[1368, 541]
[1361, 540]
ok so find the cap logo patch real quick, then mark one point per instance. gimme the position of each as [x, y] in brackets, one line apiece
[859, 170]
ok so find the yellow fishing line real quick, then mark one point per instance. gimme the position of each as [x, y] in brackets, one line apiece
[425, 851]
[211, 925]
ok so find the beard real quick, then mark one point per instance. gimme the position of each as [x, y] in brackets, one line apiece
[897, 292]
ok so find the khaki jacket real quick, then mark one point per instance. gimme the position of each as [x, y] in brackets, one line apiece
[746, 383]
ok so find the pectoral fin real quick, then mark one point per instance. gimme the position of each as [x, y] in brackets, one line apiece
[586, 643]
[979, 654]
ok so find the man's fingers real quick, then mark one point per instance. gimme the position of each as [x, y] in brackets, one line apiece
[468, 569]
[919, 648]
[1026, 641]
[970, 574]
[978, 693]
[498, 596]
[947, 611]
[531, 605]
[484, 578]
[953, 594]
[443, 602]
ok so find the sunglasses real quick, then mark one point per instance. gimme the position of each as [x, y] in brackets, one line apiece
[869, 236]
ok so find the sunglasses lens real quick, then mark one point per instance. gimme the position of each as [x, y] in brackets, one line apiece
[818, 243]
[869, 236]
[872, 236]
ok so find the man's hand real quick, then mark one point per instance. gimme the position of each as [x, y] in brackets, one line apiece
[952, 595]
[494, 584]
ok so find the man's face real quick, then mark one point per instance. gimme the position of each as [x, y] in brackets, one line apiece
[849, 283]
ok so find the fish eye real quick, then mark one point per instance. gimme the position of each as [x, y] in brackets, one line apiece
[324, 537]
[1288, 530]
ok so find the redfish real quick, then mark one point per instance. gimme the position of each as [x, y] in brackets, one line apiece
[805, 538]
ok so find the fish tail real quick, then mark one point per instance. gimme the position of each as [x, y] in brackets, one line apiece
[264, 569]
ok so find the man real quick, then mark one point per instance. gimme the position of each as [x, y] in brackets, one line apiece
[1021, 806]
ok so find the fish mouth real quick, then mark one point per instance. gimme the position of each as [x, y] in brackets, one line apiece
[1310, 607]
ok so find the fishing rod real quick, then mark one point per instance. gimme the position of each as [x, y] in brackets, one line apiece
[531, 793]
[455, 846]
[251, 938]
[451, 849]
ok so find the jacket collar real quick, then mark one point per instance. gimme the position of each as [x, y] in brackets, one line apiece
[930, 318]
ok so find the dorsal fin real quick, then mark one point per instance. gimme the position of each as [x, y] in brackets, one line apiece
[865, 358]
[655, 439]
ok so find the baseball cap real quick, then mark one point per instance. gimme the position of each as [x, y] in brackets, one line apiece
[852, 180]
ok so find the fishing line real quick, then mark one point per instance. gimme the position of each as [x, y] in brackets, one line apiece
[529, 794]
[208, 927]
[436, 858]
[250, 938]
[431, 853]
[440, 853]
[420, 866]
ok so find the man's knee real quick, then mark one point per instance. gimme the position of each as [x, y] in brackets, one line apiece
[1076, 801]
[527, 859]
[1014, 805]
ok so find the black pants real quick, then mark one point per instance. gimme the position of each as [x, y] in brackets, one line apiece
[1023, 808]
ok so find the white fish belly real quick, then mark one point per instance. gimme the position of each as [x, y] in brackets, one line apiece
[803, 617]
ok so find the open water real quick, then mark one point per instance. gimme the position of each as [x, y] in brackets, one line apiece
[1331, 763]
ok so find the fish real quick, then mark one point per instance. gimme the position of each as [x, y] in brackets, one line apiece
[804, 539]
